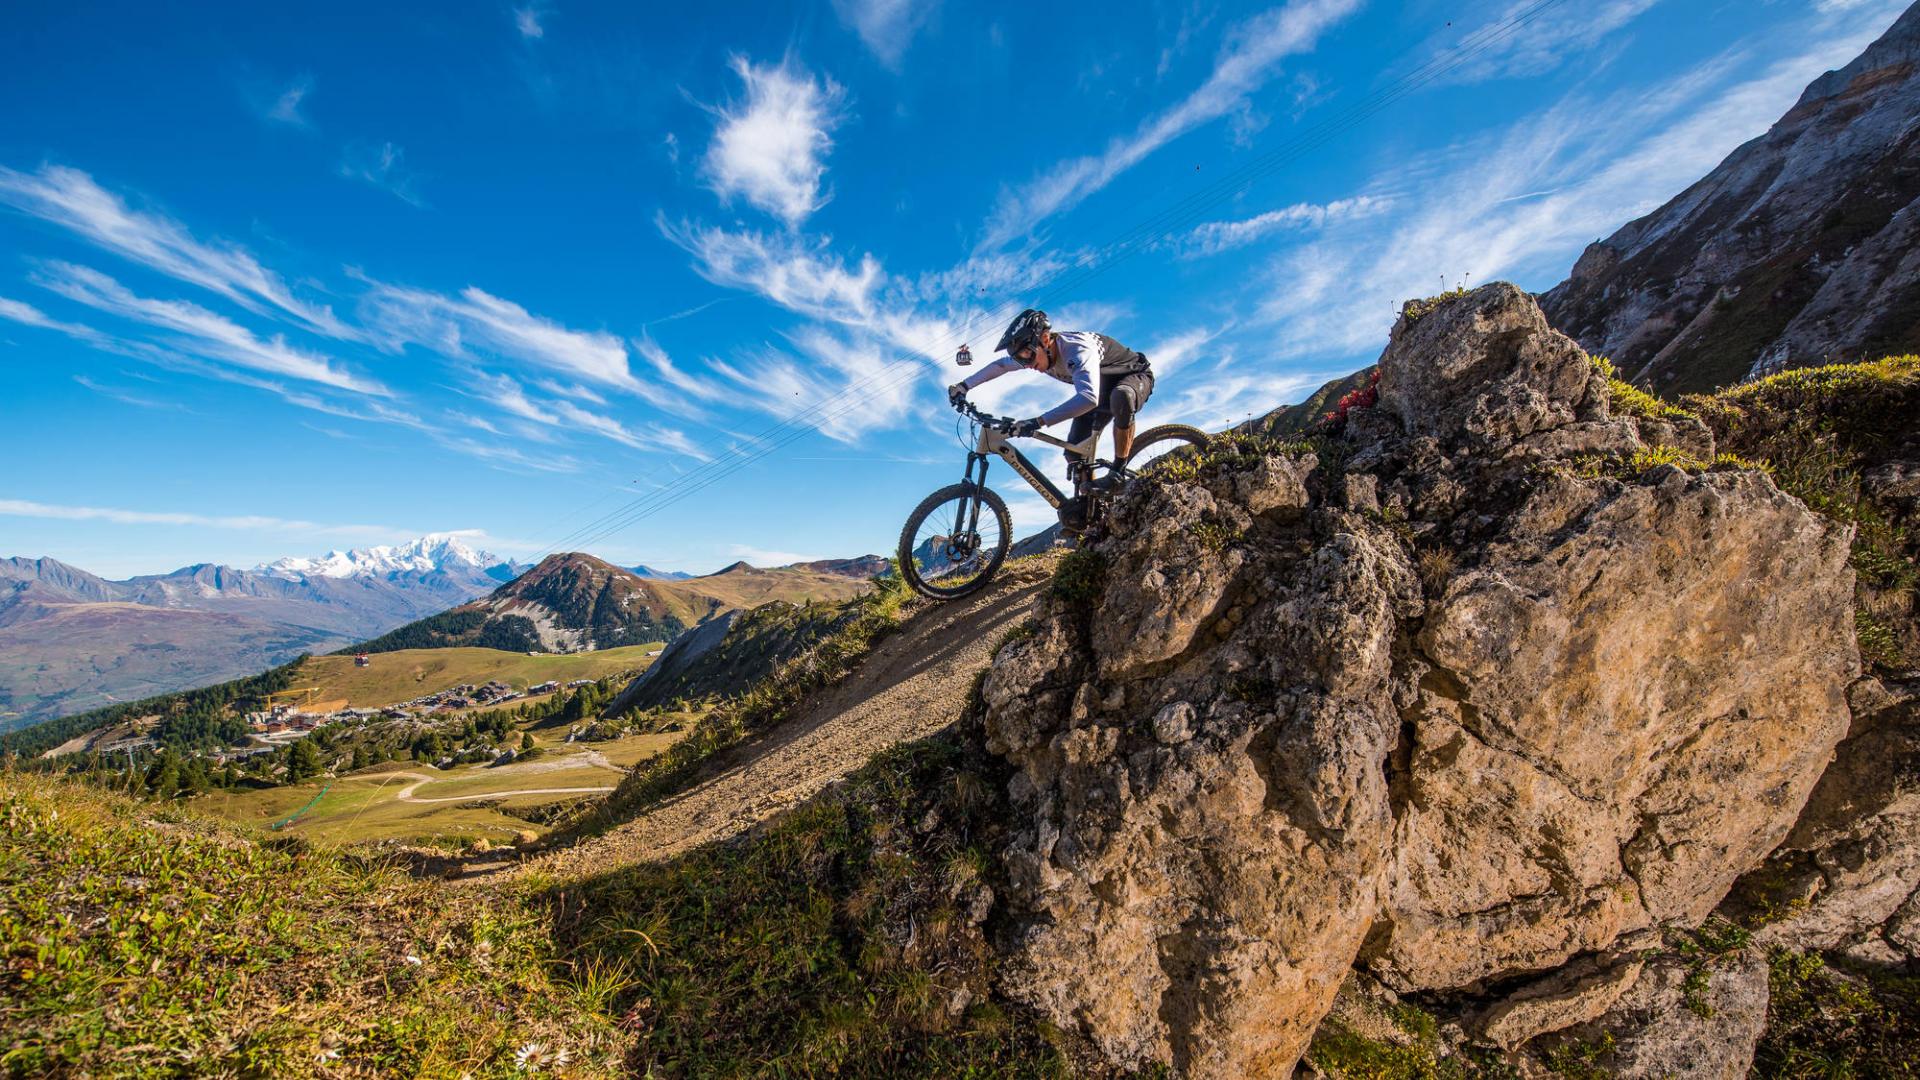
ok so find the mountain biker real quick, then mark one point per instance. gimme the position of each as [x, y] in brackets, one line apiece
[1110, 381]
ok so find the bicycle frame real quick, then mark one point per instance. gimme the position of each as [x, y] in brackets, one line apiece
[998, 445]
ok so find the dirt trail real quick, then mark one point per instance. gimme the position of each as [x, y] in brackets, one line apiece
[915, 683]
[570, 761]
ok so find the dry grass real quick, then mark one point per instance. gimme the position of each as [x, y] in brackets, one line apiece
[142, 942]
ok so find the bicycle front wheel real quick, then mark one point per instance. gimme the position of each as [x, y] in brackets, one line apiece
[955, 541]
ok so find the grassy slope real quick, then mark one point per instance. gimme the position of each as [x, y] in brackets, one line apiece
[409, 673]
[834, 942]
[139, 941]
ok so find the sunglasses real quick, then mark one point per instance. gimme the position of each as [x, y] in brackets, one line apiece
[1026, 356]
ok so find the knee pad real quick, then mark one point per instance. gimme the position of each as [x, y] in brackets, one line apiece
[1123, 405]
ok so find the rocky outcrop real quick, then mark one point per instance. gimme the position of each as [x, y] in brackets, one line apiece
[1848, 875]
[1455, 700]
[1680, 1019]
[1802, 247]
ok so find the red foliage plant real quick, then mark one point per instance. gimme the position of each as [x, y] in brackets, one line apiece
[1364, 398]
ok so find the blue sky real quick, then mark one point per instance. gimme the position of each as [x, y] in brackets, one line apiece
[275, 281]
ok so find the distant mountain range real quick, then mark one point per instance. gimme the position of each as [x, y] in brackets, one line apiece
[573, 601]
[71, 640]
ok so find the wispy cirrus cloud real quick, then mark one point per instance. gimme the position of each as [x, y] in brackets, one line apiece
[119, 516]
[72, 200]
[286, 106]
[527, 20]
[201, 332]
[127, 397]
[475, 320]
[770, 147]
[385, 167]
[795, 272]
[886, 27]
[1538, 44]
[511, 397]
[1214, 237]
[1250, 57]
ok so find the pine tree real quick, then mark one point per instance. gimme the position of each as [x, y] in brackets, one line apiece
[303, 761]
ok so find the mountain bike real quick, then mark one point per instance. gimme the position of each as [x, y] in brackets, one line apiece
[956, 539]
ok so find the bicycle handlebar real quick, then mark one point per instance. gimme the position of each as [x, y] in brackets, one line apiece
[1001, 424]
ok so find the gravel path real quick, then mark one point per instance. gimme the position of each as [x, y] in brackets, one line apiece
[915, 683]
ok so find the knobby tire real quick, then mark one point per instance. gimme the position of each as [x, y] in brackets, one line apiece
[911, 573]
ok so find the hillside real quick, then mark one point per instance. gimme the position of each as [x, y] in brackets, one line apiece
[573, 601]
[730, 653]
[406, 674]
[1797, 250]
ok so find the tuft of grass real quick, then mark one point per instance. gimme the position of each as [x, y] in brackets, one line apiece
[1819, 430]
[1629, 400]
[1415, 310]
[833, 943]
[1822, 1022]
[1215, 536]
[1228, 452]
[1081, 575]
[1581, 1059]
[140, 941]
[770, 701]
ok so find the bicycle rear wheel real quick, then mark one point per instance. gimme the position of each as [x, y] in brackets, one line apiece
[1157, 442]
[954, 541]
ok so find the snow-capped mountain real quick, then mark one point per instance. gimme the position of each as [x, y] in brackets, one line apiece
[435, 552]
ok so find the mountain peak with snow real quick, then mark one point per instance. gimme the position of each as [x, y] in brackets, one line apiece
[428, 554]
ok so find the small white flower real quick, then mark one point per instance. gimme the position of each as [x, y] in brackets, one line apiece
[535, 1055]
[414, 960]
[328, 1054]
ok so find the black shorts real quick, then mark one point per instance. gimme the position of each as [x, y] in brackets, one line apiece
[1120, 402]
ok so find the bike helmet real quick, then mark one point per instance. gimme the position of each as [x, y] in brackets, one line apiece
[1024, 330]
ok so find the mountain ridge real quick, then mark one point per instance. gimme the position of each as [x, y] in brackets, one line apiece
[1797, 249]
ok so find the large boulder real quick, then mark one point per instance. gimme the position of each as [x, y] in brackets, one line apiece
[1461, 711]
[1631, 697]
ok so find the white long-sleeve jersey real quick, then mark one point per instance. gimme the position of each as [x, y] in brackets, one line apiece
[1084, 356]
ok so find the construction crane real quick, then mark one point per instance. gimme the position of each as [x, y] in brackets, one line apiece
[272, 699]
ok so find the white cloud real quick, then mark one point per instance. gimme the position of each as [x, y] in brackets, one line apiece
[769, 148]
[885, 26]
[1540, 43]
[1525, 202]
[763, 558]
[527, 21]
[201, 332]
[454, 325]
[510, 397]
[384, 168]
[70, 199]
[29, 315]
[26, 508]
[286, 107]
[796, 273]
[1213, 237]
[126, 397]
[1250, 57]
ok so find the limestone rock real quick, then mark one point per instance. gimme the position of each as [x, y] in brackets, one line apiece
[1486, 370]
[1663, 1030]
[1573, 995]
[1849, 873]
[1627, 711]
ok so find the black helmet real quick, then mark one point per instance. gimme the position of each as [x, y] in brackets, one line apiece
[1024, 330]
